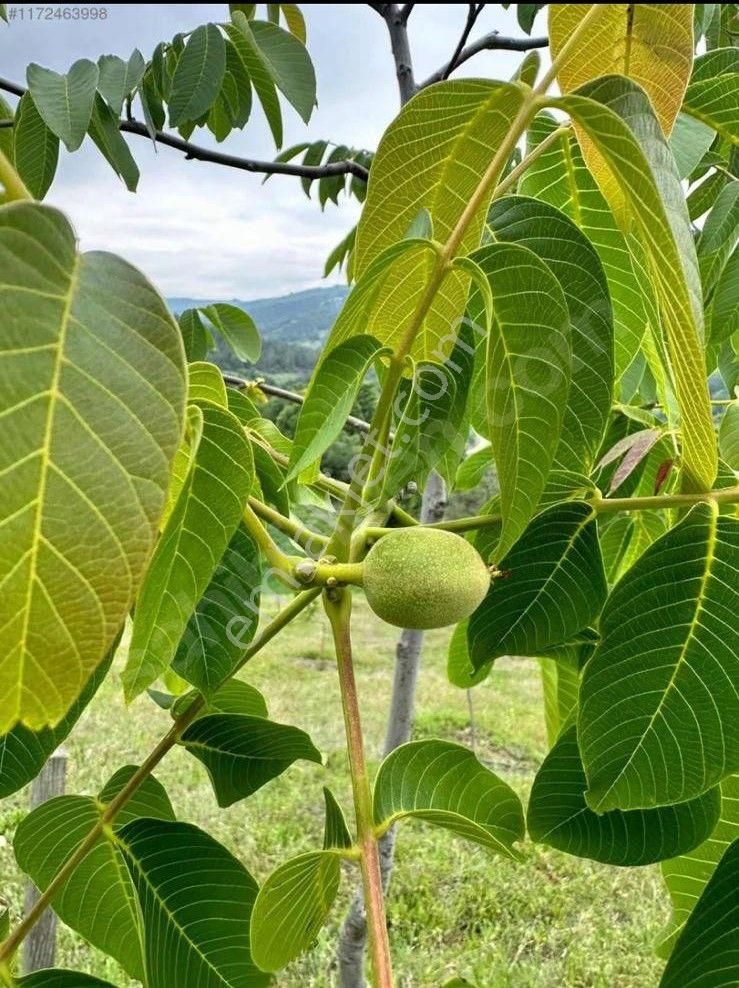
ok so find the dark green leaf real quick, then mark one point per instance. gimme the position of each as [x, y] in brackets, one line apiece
[111, 143]
[659, 718]
[576, 265]
[225, 619]
[195, 336]
[97, 899]
[199, 75]
[336, 833]
[118, 79]
[713, 93]
[559, 816]
[686, 876]
[196, 902]
[61, 979]
[552, 586]
[65, 101]
[289, 66]
[242, 38]
[528, 375]
[444, 784]
[560, 682]
[707, 953]
[35, 147]
[243, 753]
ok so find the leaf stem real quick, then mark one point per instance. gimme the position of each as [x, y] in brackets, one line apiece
[9, 947]
[311, 541]
[338, 609]
[11, 181]
[509, 182]
[269, 548]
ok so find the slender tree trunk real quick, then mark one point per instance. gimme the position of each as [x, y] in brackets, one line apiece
[40, 947]
[353, 937]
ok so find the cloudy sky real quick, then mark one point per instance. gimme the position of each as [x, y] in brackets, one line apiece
[205, 231]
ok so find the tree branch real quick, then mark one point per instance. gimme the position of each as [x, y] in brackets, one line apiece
[195, 152]
[488, 42]
[297, 399]
[474, 11]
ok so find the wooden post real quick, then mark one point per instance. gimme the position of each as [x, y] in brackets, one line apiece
[40, 947]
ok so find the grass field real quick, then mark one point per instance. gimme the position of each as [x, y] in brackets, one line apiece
[549, 922]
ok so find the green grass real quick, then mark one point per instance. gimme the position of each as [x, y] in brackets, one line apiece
[454, 909]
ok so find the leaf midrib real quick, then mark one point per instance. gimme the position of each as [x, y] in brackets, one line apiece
[54, 395]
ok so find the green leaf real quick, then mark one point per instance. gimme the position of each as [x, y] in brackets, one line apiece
[560, 683]
[294, 20]
[111, 143]
[35, 148]
[86, 462]
[212, 501]
[234, 697]
[243, 753]
[472, 470]
[559, 816]
[728, 435]
[444, 784]
[528, 375]
[195, 336]
[117, 79]
[225, 619]
[289, 66]
[432, 156]
[713, 93]
[205, 384]
[560, 177]
[237, 87]
[242, 38]
[553, 586]
[199, 75]
[237, 328]
[97, 899]
[61, 979]
[336, 832]
[4, 12]
[718, 237]
[617, 117]
[707, 952]
[459, 669]
[196, 902]
[65, 101]
[659, 717]
[23, 753]
[689, 141]
[292, 907]
[686, 876]
[576, 265]
[724, 311]
[332, 392]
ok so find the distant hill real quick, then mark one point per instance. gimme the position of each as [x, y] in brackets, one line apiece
[300, 318]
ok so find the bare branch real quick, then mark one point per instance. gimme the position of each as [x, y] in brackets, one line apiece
[194, 152]
[474, 11]
[292, 396]
[488, 42]
[406, 12]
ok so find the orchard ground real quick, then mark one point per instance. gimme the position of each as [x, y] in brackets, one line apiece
[549, 922]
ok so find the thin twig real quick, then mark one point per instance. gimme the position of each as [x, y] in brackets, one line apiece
[473, 12]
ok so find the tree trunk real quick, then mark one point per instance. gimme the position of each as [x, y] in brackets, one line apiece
[40, 948]
[353, 937]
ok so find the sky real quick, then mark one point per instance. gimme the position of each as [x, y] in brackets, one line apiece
[204, 231]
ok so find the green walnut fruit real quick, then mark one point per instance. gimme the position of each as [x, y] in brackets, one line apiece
[424, 578]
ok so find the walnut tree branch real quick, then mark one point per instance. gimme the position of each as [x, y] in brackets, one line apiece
[195, 152]
[474, 11]
[488, 42]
